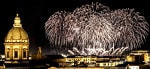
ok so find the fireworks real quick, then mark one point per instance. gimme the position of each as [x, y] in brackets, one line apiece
[96, 30]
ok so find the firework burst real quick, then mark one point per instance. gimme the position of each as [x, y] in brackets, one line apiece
[95, 30]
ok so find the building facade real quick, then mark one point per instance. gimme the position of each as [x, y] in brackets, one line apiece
[16, 43]
[139, 55]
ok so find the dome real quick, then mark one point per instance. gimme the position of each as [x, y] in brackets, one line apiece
[17, 33]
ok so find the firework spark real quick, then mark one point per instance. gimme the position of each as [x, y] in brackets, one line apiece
[96, 30]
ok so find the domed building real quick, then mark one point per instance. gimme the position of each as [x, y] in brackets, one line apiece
[16, 43]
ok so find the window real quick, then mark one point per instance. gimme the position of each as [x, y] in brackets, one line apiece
[16, 54]
[104, 64]
[7, 54]
[24, 54]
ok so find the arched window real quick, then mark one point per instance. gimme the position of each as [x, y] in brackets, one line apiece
[16, 54]
[7, 53]
[24, 53]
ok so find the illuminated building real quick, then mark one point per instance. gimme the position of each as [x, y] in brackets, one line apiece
[90, 61]
[143, 56]
[16, 43]
[133, 67]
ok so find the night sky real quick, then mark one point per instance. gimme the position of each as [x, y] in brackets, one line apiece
[34, 14]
